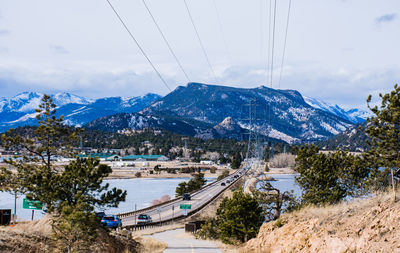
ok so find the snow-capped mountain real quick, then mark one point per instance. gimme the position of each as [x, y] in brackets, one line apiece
[201, 110]
[20, 109]
[352, 115]
[284, 113]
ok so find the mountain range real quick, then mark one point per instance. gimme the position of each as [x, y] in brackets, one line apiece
[205, 111]
[20, 110]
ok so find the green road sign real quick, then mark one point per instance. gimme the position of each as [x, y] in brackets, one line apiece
[32, 204]
[185, 206]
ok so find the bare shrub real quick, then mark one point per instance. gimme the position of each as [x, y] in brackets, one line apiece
[165, 198]
[282, 161]
[155, 202]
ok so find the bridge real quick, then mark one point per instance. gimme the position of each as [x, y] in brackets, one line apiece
[170, 211]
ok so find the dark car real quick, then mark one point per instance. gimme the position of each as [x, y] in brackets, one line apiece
[223, 184]
[143, 219]
[100, 214]
[186, 196]
[111, 221]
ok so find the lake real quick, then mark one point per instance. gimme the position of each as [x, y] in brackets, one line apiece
[141, 191]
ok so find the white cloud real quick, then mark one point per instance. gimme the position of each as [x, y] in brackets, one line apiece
[340, 58]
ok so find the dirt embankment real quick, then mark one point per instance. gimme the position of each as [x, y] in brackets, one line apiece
[365, 225]
[35, 237]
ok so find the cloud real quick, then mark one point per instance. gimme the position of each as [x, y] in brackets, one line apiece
[4, 32]
[386, 18]
[88, 83]
[347, 88]
[58, 49]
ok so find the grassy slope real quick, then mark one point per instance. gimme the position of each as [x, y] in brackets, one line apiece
[364, 225]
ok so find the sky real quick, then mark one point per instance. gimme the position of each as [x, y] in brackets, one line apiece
[339, 51]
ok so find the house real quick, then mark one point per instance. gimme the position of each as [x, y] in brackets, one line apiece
[206, 162]
[100, 156]
[113, 158]
[145, 158]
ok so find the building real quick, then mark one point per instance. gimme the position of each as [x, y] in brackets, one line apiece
[145, 158]
[100, 156]
[206, 162]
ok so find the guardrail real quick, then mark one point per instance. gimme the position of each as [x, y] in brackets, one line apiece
[180, 217]
[122, 215]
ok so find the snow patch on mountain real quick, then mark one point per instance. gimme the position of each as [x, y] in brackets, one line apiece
[24, 118]
[352, 115]
[273, 133]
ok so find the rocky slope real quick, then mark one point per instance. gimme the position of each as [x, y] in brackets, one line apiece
[35, 237]
[366, 225]
[282, 114]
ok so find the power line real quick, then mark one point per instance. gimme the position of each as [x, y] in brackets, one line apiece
[138, 45]
[284, 45]
[269, 37]
[200, 42]
[222, 31]
[273, 43]
[166, 41]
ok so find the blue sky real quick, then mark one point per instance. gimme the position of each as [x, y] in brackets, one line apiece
[337, 50]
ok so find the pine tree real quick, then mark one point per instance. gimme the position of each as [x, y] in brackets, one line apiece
[238, 218]
[329, 178]
[384, 129]
[71, 193]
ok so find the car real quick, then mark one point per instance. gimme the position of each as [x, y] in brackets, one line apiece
[186, 196]
[236, 176]
[143, 219]
[227, 181]
[100, 214]
[223, 184]
[111, 221]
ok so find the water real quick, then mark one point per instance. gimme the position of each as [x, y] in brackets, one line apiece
[140, 191]
[286, 183]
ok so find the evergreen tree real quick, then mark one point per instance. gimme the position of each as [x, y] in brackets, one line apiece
[194, 184]
[80, 190]
[69, 194]
[329, 178]
[384, 129]
[36, 169]
[236, 161]
[238, 220]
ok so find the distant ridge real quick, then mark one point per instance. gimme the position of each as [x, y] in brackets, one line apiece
[20, 109]
[197, 109]
[292, 119]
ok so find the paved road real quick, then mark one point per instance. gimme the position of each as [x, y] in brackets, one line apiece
[179, 241]
[172, 209]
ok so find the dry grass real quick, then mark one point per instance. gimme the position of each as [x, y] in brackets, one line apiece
[363, 225]
[35, 237]
[150, 245]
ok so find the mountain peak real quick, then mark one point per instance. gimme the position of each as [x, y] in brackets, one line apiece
[352, 115]
[27, 95]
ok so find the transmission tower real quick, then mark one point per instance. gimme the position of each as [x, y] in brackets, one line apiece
[254, 152]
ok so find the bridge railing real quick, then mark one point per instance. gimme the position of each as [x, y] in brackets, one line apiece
[181, 217]
[143, 210]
